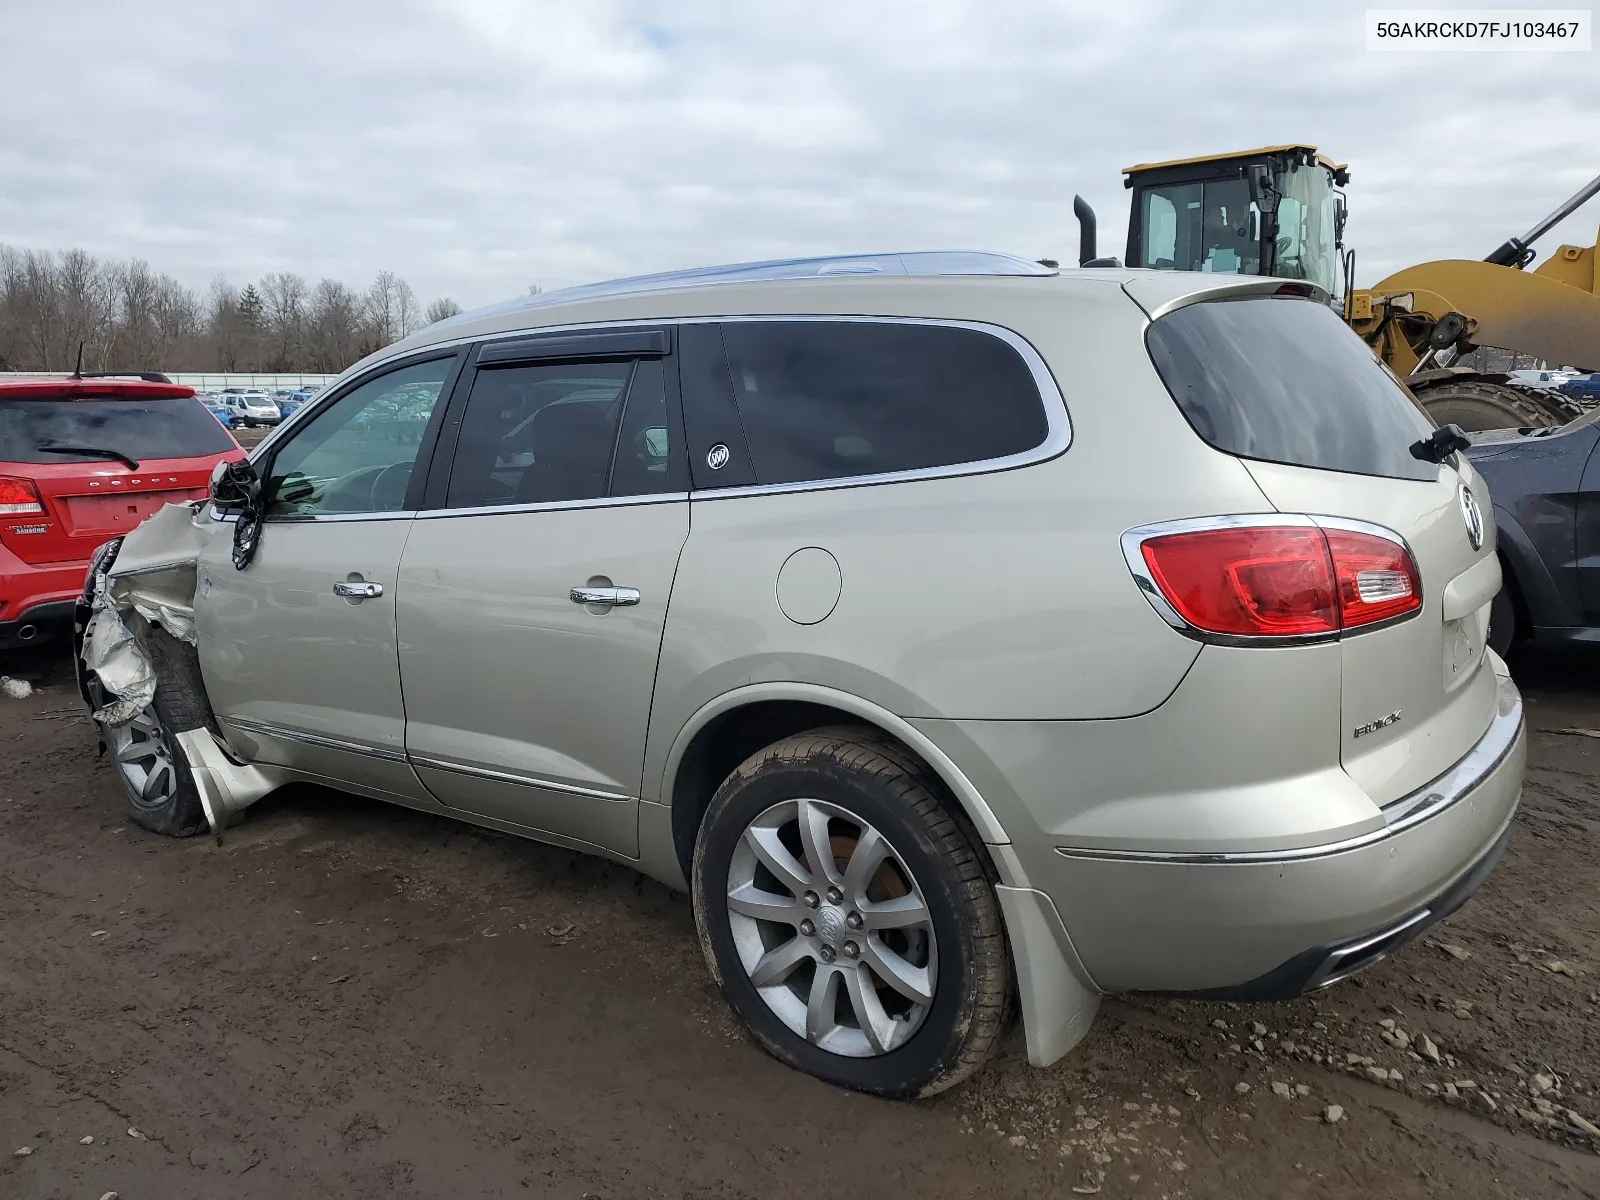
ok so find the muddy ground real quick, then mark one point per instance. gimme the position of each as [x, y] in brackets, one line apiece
[348, 999]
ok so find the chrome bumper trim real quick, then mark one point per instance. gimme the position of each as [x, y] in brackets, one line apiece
[1410, 810]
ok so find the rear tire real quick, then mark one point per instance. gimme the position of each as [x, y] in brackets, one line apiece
[1476, 405]
[924, 912]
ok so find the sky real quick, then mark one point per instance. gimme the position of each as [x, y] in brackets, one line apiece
[477, 147]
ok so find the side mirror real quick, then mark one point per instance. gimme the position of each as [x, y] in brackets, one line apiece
[1262, 189]
[234, 484]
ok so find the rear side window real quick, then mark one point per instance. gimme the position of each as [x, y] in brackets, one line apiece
[538, 434]
[101, 430]
[1284, 380]
[832, 399]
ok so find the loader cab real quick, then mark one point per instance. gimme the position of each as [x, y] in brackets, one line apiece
[1274, 211]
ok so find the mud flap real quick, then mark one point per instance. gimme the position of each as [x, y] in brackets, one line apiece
[1058, 1005]
[226, 787]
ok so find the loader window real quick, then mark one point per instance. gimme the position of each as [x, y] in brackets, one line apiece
[1285, 380]
[1211, 227]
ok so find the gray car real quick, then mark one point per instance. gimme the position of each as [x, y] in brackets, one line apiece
[956, 631]
[1546, 488]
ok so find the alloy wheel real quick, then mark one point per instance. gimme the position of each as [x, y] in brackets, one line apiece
[144, 754]
[832, 928]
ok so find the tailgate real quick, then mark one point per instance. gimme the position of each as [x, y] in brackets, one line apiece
[1327, 431]
[1416, 695]
[86, 504]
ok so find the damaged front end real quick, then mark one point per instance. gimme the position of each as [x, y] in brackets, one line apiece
[138, 668]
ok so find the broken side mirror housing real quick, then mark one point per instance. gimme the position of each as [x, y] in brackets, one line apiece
[234, 484]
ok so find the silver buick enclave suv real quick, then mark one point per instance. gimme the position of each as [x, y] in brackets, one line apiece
[955, 630]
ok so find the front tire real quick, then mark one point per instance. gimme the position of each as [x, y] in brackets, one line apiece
[151, 765]
[848, 917]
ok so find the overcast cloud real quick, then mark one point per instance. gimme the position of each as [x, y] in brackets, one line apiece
[478, 146]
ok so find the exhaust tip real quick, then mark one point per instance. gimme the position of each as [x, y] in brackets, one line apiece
[27, 633]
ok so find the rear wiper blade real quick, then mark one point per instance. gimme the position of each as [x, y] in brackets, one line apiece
[1441, 444]
[59, 448]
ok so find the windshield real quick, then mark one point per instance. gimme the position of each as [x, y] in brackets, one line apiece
[1306, 227]
[140, 429]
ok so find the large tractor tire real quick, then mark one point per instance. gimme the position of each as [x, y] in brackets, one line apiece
[1475, 404]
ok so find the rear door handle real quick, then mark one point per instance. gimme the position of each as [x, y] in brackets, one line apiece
[619, 596]
[357, 589]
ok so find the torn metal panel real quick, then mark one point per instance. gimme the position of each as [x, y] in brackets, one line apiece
[123, 668]
[154, 570]
[151, 578]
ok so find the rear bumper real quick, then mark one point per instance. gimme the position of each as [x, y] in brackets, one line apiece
[36, 623]
[1264, 923]
[1321, 966]
[33, 596]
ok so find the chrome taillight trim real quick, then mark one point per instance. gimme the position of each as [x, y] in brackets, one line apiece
[1132, 553]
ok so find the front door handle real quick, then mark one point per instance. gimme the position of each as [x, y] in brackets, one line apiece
[357, 589]
[619, 596]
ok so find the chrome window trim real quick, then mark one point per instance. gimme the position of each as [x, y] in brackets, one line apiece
[223, 514]
[490, 510]
[1429, 801]
[1132, 554]
[314, 739]
[1058, 433]
[551, 785]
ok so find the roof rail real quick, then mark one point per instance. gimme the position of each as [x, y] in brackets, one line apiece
[915, 263]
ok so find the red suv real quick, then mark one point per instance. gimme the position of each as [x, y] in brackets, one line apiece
[82, 460]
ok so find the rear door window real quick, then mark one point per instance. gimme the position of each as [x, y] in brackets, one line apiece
[822, 400]
[1284, 380]
[137, 429]
[553, 432]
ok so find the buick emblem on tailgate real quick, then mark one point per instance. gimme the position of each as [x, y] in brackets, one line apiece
[1473, 516]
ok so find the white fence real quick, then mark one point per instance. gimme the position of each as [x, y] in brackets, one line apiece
[210, 381]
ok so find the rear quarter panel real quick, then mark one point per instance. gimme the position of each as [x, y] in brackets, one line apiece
[998, 595]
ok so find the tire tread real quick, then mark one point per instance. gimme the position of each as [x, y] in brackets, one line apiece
[878, 759]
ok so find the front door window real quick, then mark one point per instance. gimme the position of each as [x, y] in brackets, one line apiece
[358, 454]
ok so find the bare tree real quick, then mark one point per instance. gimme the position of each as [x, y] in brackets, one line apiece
[441, 309]
[382, 303]
[406, 311]
[336, 326]
[226, 330]
[129, 316]
[284, 297]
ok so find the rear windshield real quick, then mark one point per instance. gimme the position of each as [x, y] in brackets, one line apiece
[139, 429]
[1284, 380]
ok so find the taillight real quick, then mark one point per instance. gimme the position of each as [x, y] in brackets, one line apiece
[1277, 581]
[1377, 578]
[18, 497]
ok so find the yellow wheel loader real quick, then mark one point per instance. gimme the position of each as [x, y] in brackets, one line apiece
[1278, 211]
